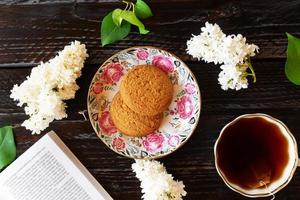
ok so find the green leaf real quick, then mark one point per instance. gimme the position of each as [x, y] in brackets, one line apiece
[292, 65]
[110, 32]
[130, 17]
[142, 10]
[7, 146]
[116, 16]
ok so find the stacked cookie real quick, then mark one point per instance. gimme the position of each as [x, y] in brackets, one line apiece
[137, 109]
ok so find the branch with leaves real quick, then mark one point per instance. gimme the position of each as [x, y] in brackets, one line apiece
[116, 25]
[7, 146]
[292, 65]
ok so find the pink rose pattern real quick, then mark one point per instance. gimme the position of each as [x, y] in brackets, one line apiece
[153, 142]
[106, 124]
[112, 73]
[97, 87]
[174, 141]
[190, 88]
[185, 107]
[118, 144]
[142, 54]
[164, 63]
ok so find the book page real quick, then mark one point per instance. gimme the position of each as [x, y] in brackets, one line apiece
[49, 171]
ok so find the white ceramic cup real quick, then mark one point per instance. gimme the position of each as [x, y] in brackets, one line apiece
[289, 169]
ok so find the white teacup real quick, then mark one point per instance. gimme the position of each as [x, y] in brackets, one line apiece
[273, 186]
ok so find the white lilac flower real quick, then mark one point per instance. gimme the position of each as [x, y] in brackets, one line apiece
[208, 45]
[48, 85]
[156, 183]
[212, 45]
[236, 50]
[233, 77]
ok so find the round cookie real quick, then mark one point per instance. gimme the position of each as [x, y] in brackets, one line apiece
[131, 123]
[147, 90]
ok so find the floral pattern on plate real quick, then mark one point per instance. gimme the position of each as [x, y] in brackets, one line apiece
[180, 120]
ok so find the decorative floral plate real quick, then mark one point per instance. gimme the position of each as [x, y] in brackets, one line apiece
[180, 120]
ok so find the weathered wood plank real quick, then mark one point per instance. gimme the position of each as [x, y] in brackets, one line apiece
[271, 92]
[33, 33]
[34, 2]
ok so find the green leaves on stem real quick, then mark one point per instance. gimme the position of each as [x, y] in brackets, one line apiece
[117, 24]
[7, 146]
[292, 65]
[119, 15]
[110, 32]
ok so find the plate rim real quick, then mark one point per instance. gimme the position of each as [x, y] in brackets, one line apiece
[199, 101]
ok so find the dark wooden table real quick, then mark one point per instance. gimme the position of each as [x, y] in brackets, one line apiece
[34, 30]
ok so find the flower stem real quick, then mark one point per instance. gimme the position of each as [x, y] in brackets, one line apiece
[127, 4]
[130, 4]
[252, 70]
[16, 125]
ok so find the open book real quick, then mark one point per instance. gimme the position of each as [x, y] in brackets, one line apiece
[49, 171]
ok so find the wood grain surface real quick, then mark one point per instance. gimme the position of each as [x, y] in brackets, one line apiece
[32, 31]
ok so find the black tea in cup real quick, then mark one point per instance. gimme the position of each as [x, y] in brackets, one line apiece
[252, 152]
